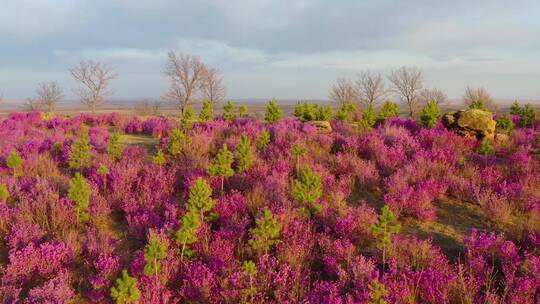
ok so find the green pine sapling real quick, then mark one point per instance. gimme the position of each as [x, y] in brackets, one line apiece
[485, 149]
[307, 189]
[79, 192]
[368, 116]
[251, 270]
[244, 154]
[80, 152]
[228, 111]
[14, 162]
[378, 291]
[385, 227]
[200, 198]
[186, 235]
[298, 151]
[4, 192]
[266, 233]
[222, 165]
[114, 149]
[178, 141]
[243, 111]
[154, 252]
[273, 112]
[103, 171]
[159, 158]
[388, 110]
[430, 115]
[125, 290]
[264, 140]
[207, 111]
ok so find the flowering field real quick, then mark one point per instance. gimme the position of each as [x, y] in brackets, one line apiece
[245, 211]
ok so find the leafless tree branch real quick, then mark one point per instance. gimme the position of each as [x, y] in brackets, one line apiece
[185, 74]
[343, 92]
[433, 95]
[370, 88]
[94, 78]
[479, 94]
[212, 87]
[49, 94]
[407, 82]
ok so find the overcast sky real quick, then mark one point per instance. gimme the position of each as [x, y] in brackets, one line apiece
[274, 48]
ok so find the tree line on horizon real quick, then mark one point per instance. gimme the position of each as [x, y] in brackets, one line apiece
[191, 81]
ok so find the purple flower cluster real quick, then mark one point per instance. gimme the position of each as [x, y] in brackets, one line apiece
[328, 255]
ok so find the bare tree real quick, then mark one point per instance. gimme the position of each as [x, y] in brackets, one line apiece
[370, 88]
[407, 82]
[32, 104]
[185, 73]
[433, 95]
[147, 107]
[94, 78]
[212, 87]
[49, 94]
[343, 92]
[472, 96]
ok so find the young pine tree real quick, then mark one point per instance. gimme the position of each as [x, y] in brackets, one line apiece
[187, 234]
[187, 118]
[264, 140]
[385, 227]
[505, 124]
[298, 151]
[344, 113]
[228, 111]
[527, 116]
[388, 110]
[4, 193]
[307, 189]
[207, 111]
[14, 162]
[368, 116]
[266, 233]
[159, 158]
[79, 192]
[273, 112]
[154, 252]
[515, 109]
[178, 141]
[251, 270]
[478, 104]
[114, 149]
[103, 171]
[200, 198]
[243, 111]
[378, 291]
[485, 148]
[430, 115]
[80, 152]
[244, 154]
[125, 290]
[222, 165]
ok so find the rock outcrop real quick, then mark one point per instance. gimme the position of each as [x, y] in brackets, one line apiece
[322, 125]
[472, 122]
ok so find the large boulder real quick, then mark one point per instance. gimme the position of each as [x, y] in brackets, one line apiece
[322, 125]
[472, 122]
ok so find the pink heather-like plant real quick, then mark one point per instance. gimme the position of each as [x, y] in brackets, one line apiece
[330, 254]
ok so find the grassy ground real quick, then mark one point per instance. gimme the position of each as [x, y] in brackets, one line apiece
[146, 141]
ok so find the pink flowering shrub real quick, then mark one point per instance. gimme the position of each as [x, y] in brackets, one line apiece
[266, 233]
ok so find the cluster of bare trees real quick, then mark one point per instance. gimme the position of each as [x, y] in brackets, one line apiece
[370, 89]
[190, 79]
[48, 94]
